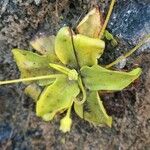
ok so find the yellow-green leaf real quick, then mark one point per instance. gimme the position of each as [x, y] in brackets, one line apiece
[45, 45]
[57, 96]
[31, 64]
[99, 78]
[48, 116]
[33, 90]
[110, 37]
[91, 24]
[88, 49]
[65, 124]
[95, 111]
[64, 48]
[78, 109]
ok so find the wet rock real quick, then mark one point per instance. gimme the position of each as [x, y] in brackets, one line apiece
[131, 21]
[143, 1]
[5, 131]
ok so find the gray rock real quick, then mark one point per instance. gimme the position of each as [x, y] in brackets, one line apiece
[131, 21]
[5, 131]
[37, 2]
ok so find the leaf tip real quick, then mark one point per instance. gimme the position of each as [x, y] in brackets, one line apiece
[15, 51]
[109, 122]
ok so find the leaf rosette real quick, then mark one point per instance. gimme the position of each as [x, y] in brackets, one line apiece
[73, 77]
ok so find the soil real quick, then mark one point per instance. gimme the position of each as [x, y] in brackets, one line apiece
[20, 129]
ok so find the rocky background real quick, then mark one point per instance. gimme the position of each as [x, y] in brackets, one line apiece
[20, 129]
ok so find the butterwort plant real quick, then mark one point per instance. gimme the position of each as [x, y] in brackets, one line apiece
[64, 72]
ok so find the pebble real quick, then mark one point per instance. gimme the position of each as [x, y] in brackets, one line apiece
[37, 2]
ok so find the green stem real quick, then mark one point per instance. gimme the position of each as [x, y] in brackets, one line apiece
[129, 53]
[80, 82]
[60, 68]
[69, 110]
[83, 92]
[75, 54]
[30, 79]
[72, 74]
[107, 18]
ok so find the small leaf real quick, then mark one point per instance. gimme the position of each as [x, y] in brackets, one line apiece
[78, 109]
[95, 112]
[108, 35]
[64, 48]
[91, 24]
[88, 49]
[65, 124]
[57, 96]
[111, 38]
[99, 78]
[31, 64]
[45, 45]
[33, 90]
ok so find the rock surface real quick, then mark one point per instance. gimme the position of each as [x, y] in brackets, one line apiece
[131, 21]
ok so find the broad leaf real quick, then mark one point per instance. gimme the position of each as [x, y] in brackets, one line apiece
[64, 48]
[31, 64]
[88, 49]
[57, 97]
[99, 78]
[91, 24]
[95, 111]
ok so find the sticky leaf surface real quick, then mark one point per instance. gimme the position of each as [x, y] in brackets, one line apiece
[64, 48]
[78, 109]
[99, 78]
[88, 49]
[31, 64]
[95, 111]
[57, 96]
